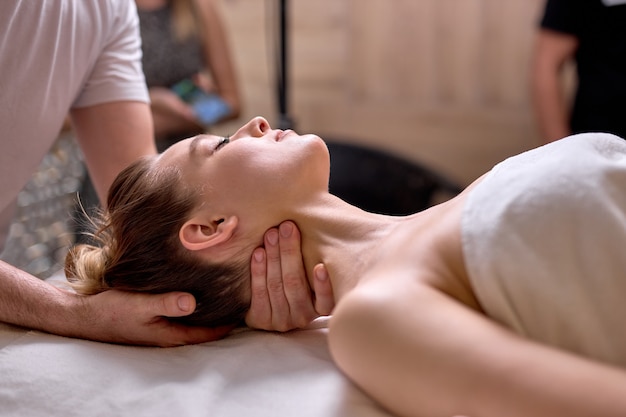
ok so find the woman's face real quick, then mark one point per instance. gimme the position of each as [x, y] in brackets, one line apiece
[257, 166]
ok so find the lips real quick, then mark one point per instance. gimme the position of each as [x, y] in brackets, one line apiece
[282, 134]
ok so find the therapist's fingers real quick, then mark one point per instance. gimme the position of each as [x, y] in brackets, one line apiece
[167, 333]
[324, 297]
[260, 314]
[173, 304]
[281, 316]
[295, 284]
[281, 297]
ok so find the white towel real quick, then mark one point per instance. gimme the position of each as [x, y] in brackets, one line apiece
[544, 238]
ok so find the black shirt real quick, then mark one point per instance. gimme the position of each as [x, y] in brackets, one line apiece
[600, 103]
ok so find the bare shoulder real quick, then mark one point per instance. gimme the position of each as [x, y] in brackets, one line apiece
[391, 344]
[426, 250]
[421, 352]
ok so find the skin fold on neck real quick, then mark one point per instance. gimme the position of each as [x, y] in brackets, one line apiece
[343, 237]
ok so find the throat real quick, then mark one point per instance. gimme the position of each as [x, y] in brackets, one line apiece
[345, 239]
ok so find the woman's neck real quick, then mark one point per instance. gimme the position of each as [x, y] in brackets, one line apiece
[343, 237]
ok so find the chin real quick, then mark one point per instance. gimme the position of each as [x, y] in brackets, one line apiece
[310, 163]
[322, 165]
[319, 143]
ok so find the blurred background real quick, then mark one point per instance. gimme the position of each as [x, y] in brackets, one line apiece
[445, 83]
[430, 92]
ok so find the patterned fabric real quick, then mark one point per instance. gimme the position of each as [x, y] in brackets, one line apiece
[41, 232]
[165, 59]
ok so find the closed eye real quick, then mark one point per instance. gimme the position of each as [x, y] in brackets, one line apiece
[223, 141]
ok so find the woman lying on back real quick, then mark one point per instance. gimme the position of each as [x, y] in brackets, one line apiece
[504, 301]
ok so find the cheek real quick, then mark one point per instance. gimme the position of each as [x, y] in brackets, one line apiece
[253, 159]
[259, 164]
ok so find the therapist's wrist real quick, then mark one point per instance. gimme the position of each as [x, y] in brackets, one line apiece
[74, 316]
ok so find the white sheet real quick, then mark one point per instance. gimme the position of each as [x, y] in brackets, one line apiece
[250, 373]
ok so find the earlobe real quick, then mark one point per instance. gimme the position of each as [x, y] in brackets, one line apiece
[197, 234]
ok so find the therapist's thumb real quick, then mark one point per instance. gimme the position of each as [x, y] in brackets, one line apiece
[176, 304]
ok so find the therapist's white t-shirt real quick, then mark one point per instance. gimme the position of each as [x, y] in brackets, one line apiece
[55, 55]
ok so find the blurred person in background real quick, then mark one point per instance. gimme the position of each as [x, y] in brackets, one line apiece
[188, 67]
[591, 33]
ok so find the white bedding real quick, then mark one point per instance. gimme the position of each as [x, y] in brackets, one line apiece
[250, 373]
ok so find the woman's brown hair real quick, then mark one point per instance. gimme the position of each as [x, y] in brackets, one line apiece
[137, 249]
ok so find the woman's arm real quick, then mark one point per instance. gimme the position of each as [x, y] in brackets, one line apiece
[216, 48]
[552, 51]
[421, 353]
[171, 115]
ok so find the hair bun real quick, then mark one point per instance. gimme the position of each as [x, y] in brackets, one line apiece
[84, 268]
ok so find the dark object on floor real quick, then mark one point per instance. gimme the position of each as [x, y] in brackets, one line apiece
[382, 183]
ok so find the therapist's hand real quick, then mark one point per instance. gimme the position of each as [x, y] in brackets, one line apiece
[138, 319]
[281, 296]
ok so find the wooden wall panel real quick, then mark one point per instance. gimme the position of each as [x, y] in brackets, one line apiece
[458, 33]
[442, 82]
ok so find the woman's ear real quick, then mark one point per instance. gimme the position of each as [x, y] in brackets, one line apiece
[198, 234]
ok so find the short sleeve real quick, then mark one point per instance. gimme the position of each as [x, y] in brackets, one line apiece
[563, 16]
[117, 74]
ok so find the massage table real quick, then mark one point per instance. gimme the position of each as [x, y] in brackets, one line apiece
[249, 373]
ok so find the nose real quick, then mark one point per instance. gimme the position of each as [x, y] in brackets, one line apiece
[256, 127]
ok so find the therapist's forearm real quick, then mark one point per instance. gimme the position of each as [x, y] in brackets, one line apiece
[111, 136]
[30, 302]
